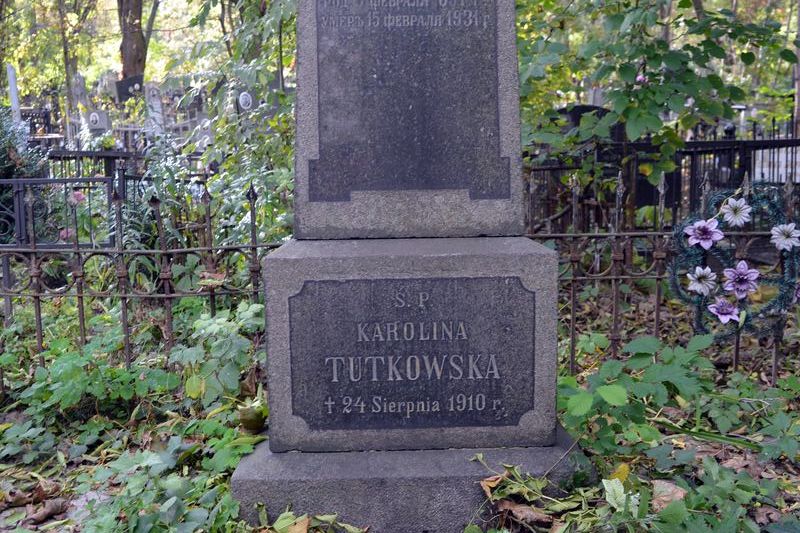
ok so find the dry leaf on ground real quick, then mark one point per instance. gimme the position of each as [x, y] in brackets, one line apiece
[489, 483]
[766, 515]
[51, 508]
[664, 493]
[745, 461]
[300, 526]
[525, 513]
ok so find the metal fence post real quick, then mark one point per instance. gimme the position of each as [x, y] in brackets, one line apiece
[209, 257]
[165, 274]
[78, 276]
[122, 277]
[35, 274]
[255, 265]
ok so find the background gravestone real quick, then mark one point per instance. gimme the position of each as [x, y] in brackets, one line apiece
[407, 119]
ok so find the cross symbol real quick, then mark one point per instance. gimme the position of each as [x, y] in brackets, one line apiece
[330, 403]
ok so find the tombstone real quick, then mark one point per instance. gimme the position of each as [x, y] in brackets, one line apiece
[129, 87]
[392, 361]
[13, 93]
[245, 102]
[416, 114]
[154, 123]
[98, 121]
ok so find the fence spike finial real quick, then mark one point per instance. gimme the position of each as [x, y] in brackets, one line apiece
[251, 195]
[705, 191]
[746, 185]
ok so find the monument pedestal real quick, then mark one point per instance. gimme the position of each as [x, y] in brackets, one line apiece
[413, 491]
[403, 344]
[391, 363]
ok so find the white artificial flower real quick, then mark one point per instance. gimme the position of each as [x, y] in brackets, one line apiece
[702, 280]
[785, 237]
[736, 212]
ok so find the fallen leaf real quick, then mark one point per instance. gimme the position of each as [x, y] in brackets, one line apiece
[745, 461]
[15, 498]
[45, 489]
[766, 515]
[489, 483]
[51, 508]
[300, 525]
[621, 472]
[664, 493]
[525, 513]
[673, 413]
[208, 274]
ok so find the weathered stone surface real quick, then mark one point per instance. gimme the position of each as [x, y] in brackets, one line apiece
[423, 491]
[411, 344]
[407, 119]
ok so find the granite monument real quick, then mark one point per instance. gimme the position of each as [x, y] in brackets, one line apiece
[392, 360]
[407, 119]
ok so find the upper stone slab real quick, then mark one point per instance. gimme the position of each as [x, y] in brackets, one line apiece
[407, 119]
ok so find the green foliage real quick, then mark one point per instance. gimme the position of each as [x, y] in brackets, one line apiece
[212, 366]
[158, 495]
[17, 160]
[255, 54]
[72, 377]
[659, 66]
[147, 461]
[620, 418]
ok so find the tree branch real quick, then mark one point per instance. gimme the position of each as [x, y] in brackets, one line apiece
[148, 32]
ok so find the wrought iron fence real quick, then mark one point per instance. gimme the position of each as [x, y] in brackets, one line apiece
[90, 231]
[614, 229]
[85, 232]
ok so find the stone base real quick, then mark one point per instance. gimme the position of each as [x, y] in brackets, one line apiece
[414, 491]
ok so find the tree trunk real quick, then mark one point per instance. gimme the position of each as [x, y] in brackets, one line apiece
[665, 12]
[70, 68]
[135, 39]
[698, 9]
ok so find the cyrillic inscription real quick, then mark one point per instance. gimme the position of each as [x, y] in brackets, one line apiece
[407, 98]
[405, 353]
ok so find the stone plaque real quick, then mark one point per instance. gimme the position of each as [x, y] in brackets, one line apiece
[416, 112]
[408, 120]
[381, 344]
[412, 353]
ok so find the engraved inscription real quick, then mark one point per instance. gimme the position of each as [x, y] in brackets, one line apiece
[408, 98]
[408, 353]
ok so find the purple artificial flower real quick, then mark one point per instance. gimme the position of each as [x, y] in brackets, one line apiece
[641, 79]
[702, 280]
[785, 237]
[704, 233]
[736, 212]
[724, 310]
[741, 280]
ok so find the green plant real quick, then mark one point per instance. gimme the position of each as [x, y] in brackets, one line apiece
[644, 422]
[213, 365]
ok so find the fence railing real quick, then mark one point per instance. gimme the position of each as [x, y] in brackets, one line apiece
[91, 235]
[89, 231]
[562, 198]
[610, 235]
